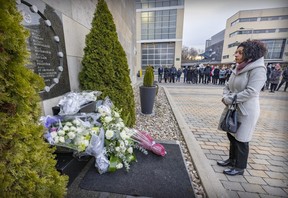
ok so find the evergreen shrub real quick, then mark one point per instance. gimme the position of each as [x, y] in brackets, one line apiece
[104, 65]
[148, 80]
[27, 162]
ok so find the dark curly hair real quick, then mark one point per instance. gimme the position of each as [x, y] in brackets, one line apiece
[253, 49]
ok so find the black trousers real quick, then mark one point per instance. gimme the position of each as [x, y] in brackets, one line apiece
[238, 151]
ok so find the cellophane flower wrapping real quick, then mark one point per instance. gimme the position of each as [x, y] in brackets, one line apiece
[71, 102]
[145, 140]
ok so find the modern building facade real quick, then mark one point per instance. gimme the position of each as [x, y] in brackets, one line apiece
[159, 31]
[268, 25]
[214, 47]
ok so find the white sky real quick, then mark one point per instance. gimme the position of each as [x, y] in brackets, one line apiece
[205, 18]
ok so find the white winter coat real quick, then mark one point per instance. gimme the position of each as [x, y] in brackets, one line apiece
[247, 84]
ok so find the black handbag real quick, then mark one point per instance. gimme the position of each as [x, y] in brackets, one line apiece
[230, 122]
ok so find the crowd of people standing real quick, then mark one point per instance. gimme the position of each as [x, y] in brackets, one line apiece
[195, 74]
[216, 75]
[276, 77]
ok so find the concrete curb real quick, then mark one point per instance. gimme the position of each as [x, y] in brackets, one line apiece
[211, 183]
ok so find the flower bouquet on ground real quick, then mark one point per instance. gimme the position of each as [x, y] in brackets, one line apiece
[102, 134]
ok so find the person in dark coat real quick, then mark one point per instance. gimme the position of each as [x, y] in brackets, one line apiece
[215, 77]
[173, 73]
[160, 73]
[275, 77]
[185, 74]
[179, 73]
[189, 75]
[284, 79]
[201, 73]
[166, 74]
[207, 72]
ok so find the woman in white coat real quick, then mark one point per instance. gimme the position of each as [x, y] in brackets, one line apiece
[246, 80]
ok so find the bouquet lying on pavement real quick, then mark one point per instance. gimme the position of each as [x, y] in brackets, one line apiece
[102, 134]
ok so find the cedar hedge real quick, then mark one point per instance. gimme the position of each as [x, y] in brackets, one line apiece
[104, 65]
[27, 162]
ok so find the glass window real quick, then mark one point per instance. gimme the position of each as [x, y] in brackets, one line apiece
[165, 3]
[172, 36]
[174, 3]
[164, 30]
[158, 54]
[275, 48]
[158, 4]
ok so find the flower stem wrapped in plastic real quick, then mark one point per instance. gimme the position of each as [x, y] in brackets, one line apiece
[146, 141]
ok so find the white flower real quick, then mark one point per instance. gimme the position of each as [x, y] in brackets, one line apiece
[86, 143]
[66, 128]
[61, 133]
[116, 114]
[119, 166]
[130, 150]
[56, 140]
[118, 126]
[73, 128]
[122, 145]
[108, 119]
[79, 130]
[123, 135]
[117, 148]
[122, 124]
[94, 130]
[71, 135]
[109, 134]
[61, 139]
[53, 134]
[76, 122]
[68, 124]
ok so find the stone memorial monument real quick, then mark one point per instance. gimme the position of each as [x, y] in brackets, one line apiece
[46, 45]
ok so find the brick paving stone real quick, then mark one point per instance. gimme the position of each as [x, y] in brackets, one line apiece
[261, 156]
[259, 166]
[246, 195]
[275, 175]
[214, 157]
[253, 188]
[255, 180]
[257, 173]
[276, 163]
[276, 182]
[217, 152]
[207, 147]
[277, 169]
[277, 158]
[267, 196]
[232, 185]
[239, 178]
[233, 194]
[260, 161]
[275, 191]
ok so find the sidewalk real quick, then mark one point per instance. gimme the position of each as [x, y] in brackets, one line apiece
[197, 109]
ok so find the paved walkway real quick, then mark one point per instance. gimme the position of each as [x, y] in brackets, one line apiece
[197, 109]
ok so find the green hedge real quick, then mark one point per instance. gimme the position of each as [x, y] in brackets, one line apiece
[104, 65]
[27, 163]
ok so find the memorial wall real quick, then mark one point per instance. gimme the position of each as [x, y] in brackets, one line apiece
[47, 46]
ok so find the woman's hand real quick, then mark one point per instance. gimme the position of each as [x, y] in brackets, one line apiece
[224, 102]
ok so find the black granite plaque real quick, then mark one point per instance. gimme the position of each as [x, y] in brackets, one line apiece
[46, 46]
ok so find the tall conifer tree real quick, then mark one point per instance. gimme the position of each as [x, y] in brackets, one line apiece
[27, 163]
[105, 66]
